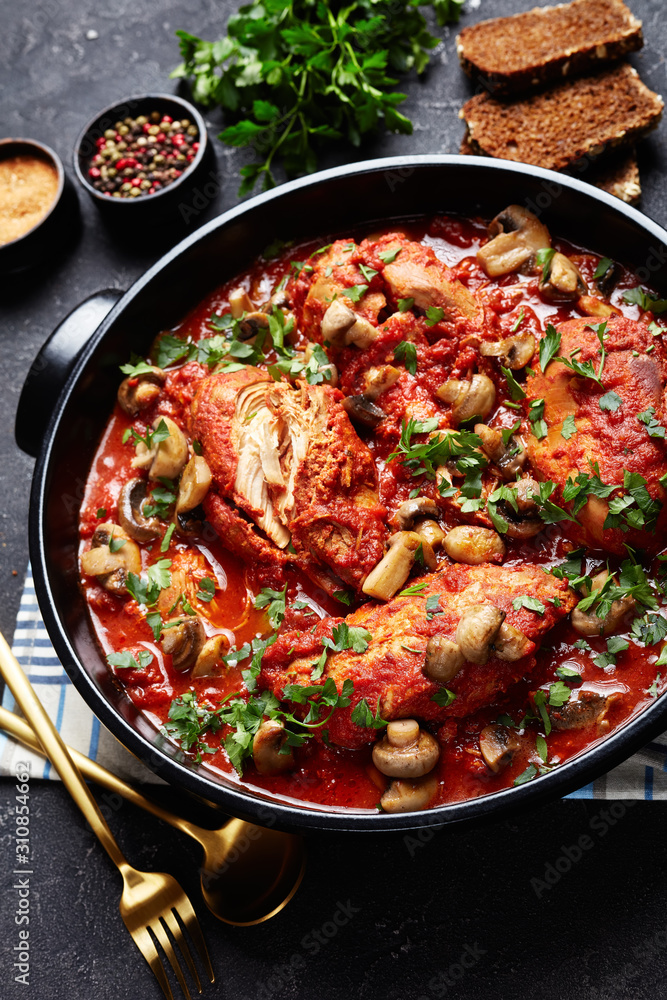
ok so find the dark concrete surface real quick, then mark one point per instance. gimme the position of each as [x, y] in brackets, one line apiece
[467, 913]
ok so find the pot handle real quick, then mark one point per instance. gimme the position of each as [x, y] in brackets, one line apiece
[52, 366]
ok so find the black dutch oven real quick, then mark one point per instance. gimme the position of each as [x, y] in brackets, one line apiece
[71, 388]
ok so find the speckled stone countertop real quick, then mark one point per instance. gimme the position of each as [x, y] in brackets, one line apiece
[567, 902]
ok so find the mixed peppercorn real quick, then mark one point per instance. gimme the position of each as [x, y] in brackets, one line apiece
[142, 155]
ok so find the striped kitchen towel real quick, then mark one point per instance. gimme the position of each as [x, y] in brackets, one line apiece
[74, 720]
[643, 776]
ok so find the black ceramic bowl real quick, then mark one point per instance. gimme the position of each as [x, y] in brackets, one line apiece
[170, 203]
[55, 227]
[336, 202]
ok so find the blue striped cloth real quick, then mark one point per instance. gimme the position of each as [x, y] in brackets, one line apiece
[643, 776]
[74, 720]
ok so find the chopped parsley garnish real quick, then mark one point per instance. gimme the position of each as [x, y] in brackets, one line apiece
[530, 603]
[367, 273]
[516, 391]
[355, 292]
[126, 661]
[518, 322]
[274, 602]
[404, 305]
[423, 458]
[407, 353]
[535, 416]
[389, 256]
[206, 591]
[569, 427]
[101, 512]
[649, 630]
[164, 544]
[527, 775]
[569, 674]
[343, 596]
[653, 427]
[549, 346]
[136, 367]
[433, 606]
[444, 697]
[645, 300]
[151, 437]
[653, 690]
[434, 314]
[158, 579]
[543, 259]
[611, 401]
[602, 268]
[363, 717]
[416, 588]
[116, 543]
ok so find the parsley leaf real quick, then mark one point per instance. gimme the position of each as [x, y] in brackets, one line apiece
[516, 391]
[645, 300]
[407, 353]
[569, 427]
[127, 661]
[444, 697]
[653, 427]
[611, 401]
[434, 314]
[389, 256]
[363, 717]
[531, 603]
[549, 346]
[274, 602]
[355, 292]
[404, 305]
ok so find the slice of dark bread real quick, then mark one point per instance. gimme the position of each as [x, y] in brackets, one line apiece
[514, 54]
[617, 172]
[558, 127]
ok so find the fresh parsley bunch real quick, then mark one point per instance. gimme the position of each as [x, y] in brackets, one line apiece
[299, 74]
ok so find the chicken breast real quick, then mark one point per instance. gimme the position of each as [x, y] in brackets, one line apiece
[289, 461]
[389, 674]
[610, 435]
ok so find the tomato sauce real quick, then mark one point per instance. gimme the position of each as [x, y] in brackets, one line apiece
[324, 774]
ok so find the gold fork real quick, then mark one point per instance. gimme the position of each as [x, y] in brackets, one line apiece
[152, 903]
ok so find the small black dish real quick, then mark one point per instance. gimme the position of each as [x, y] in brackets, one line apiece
[58, 223]
[172, 204]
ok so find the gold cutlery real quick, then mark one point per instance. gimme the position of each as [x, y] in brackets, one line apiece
[151, 903]
[248, 873]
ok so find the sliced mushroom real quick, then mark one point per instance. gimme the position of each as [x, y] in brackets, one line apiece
[183, 640]
[588, 623]
[131, 500]
[363, 411]
[498, 746]
[410, 510]
[378, 380]
[194, 484]
[165, 459]
[431, 532]
[509, 459]
[337, 320]
[394, 568]
[443, 660]
[524, 522]
[269, 751]
[112, 567]
[561, 280]
[406, 751]
[510, 644]
[608, 280]
[190, 523]
[469, 399]
[138, 392]
[517, 235]
[582, 709]
[209, 660]
[362, 333]
[591, 306]
[476, 631]
[252, 324]
[515, 351]
[409, 796]
[239, 303]
[472, 545]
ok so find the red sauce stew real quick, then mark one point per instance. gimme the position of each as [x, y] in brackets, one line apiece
[415, 313]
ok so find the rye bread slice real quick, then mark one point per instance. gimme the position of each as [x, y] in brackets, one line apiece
[617, 172]
[558, 127]
[514, 54]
